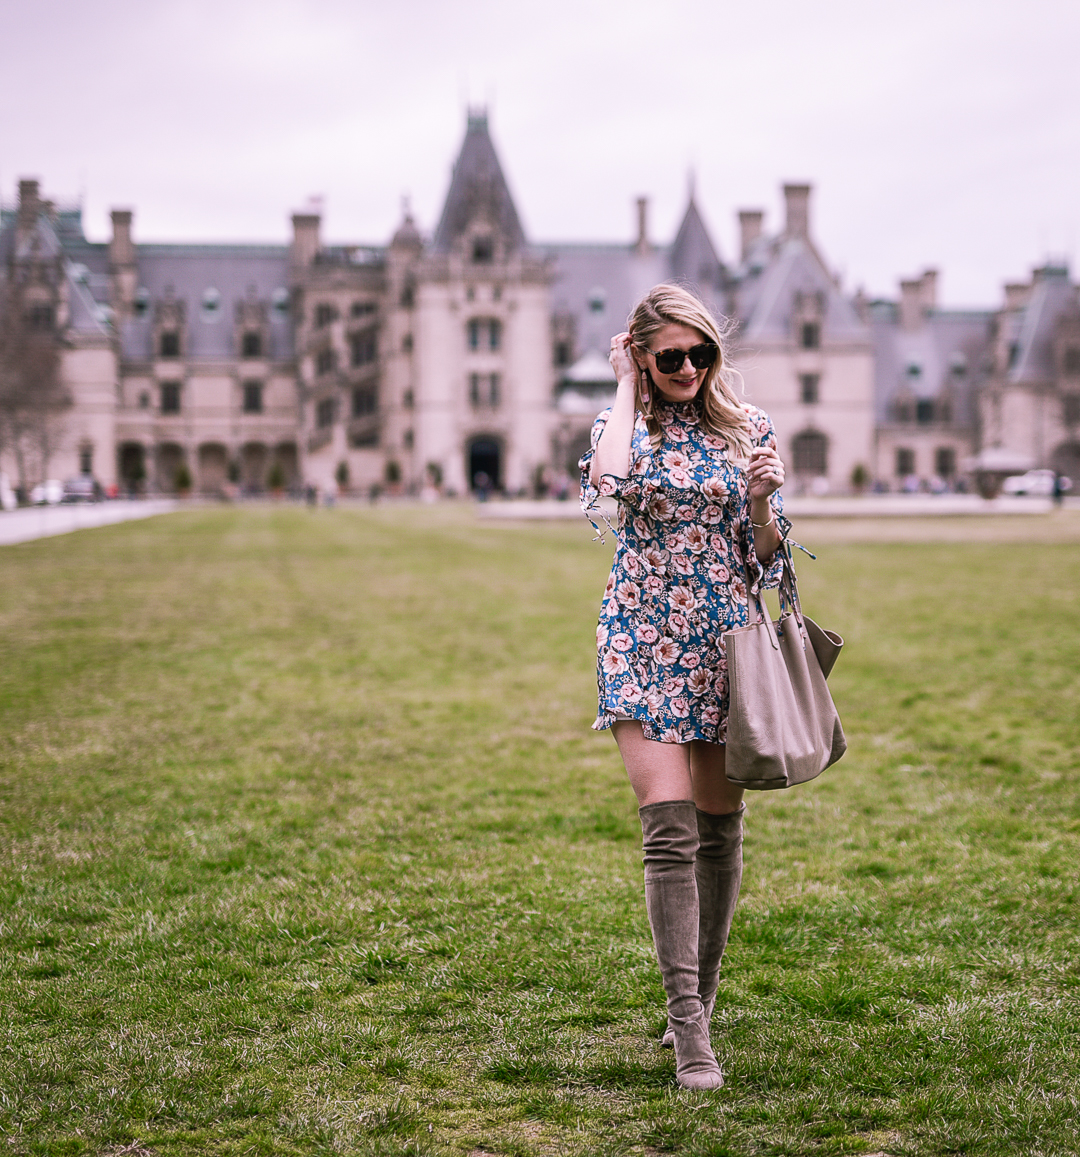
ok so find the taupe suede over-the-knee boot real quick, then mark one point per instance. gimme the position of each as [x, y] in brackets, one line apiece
[670, 838]
[718, 870]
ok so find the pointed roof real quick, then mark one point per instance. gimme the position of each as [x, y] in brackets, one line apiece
[693, 255]
[478, 186]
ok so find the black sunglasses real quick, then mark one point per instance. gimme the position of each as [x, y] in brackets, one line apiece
[670, 361]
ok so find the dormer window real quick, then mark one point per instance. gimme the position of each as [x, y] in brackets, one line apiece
[810, 335]
[597, 299]
[169, 344]
[251, 345]
[211, 304]
[924, 411]
[483, 250]
[280, 301]
[141, 304]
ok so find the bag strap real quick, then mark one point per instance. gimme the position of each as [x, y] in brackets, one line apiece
[761, 615]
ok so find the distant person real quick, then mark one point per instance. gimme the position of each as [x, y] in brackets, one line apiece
[695, 472]
[482, 484]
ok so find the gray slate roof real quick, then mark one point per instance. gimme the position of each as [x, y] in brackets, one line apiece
[1052, 295]
[478, 183]
[187, 272]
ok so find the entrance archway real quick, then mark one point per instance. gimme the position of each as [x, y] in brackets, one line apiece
[213, 467]
[133, 466]
[485, 457]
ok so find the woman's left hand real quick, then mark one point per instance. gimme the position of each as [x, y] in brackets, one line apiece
[765, 472]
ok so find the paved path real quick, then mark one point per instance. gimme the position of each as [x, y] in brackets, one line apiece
[42, 521]
[869, 506]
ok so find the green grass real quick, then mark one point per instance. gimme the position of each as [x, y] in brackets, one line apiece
[306, 847]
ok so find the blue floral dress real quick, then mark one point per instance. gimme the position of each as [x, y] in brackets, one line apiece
[676, 583]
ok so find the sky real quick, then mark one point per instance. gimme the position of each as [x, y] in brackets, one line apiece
[935, 133]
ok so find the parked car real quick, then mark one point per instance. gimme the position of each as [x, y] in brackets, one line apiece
[81, 489]
[1040, 482]
[47, 493]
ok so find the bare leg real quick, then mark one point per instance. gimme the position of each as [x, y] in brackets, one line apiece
[665, 771]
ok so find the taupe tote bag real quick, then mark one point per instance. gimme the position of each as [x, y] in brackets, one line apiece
[783, 728]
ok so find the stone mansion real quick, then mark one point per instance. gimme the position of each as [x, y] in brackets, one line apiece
[473, 349]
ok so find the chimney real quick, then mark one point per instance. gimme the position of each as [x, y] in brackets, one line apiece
[929, 288]
[305, 243]
[911, 304]
[121, 248]
[29, 202]
[642, 245]
[750, 221]
[1016, 294]
[797, 203]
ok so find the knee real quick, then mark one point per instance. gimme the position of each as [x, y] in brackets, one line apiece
[720, 837]
[669, 833]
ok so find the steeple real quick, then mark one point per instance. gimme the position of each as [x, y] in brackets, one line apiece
[693, 255]
[479, 199]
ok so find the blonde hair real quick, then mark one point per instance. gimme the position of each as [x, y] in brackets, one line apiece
[722, 413]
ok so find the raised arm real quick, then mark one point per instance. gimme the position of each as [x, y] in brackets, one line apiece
[613, 449]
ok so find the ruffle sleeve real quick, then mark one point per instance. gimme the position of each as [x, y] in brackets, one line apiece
[632, 492]
[763, 577]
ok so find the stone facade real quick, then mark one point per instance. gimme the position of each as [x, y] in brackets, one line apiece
[432, 362]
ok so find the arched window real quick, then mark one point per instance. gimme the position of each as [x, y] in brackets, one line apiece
[811, 453]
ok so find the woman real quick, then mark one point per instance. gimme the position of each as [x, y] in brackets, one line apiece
[696, 475]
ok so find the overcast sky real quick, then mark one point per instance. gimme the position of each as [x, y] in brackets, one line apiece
[934, 132]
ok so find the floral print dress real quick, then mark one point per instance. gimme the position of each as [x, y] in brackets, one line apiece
[676, 583]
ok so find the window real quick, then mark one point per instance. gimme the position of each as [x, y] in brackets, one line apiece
[86, 460]
[1071, 361]
[597, 299]
[170, 344]
[408, 297]
[924, 411]
[365, 347]
[1014, 353]
[141, 304]
[365, 436]
[485, 333]
[144, 400]
[496, 293]
[365, 400]
[905, 462]
[362, 308]
[406, 343]
[325, 361]
[324, 413]
[483, 250]
[485, 389]
[324, 314]
[913, 371]
[562, 353]
[1070, 409]
[811, 453]
[808, 388]
[280, 300]
[251, 345]
[211, 304]
[810, 335]
[170, 397]
[407, 439]
[944, 462]
[253, 398]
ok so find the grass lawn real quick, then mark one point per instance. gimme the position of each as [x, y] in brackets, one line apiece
[306, 846]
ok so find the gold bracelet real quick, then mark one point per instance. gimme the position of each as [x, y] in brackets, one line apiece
[763, 525]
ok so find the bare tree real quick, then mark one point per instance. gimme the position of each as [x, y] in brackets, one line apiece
[33, 399]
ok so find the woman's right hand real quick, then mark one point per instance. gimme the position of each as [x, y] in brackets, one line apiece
[622, 359]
